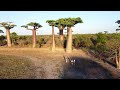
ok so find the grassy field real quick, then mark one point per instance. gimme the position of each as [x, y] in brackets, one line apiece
[14, 67]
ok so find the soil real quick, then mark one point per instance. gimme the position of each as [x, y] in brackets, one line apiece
[53, 65]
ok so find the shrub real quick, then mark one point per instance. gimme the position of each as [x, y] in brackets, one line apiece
[3, 40]
[14, 38]
[81, 41]
[101, 38]
[40, 42]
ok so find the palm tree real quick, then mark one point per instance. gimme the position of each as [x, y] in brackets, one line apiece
[33, 26]
[52, 23]
[8, 26]
[71, 22]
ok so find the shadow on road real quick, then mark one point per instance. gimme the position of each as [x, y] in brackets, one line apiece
[84, 68]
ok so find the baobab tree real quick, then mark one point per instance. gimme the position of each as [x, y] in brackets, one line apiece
[1, 31]
[33, 26]
[117, 54]
[52, 23]
[60, 24]
[118, 22]
[106, 32]
[8, 26]
[71, 22]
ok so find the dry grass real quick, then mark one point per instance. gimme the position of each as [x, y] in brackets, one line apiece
[14, 67]
[41, 63]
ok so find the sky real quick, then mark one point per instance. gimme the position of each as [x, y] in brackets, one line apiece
[93, 21]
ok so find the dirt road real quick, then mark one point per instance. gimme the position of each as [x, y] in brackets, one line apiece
[53, 65]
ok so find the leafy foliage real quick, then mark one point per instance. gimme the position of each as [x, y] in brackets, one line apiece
[14, 38]
[1, 31]
[118, 21]
[51, 22]
[41, 41]
[101, 38]
[3, 40]
[35, 25]
[60, 23]
[7, 25]
[81, 41]
[70, 22]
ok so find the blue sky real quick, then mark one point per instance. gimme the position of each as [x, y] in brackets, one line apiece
[94, 21]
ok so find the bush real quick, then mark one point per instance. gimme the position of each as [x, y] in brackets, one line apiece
[101, 38]
[14, 38]
[100, 48]
[81, 41]
[58, 42]
[40, 42]
[3, 40]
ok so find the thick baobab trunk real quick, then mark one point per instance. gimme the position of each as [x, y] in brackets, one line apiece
[118, 58]
[53, 39]
[34, 38]
[61, 34]
[69, 41]
[67, 31]
[8, 38]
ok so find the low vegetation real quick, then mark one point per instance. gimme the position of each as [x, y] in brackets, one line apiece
[14, 67]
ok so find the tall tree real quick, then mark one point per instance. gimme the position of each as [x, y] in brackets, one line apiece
[118, 22]
[52, 23]
[1, 31]
[117, 48]
[8, 26]
[106, 32]
[60, 24]
[71, 22]
[33, 26]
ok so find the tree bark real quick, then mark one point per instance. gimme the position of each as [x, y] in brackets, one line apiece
[61, 34]
[8, 38]
[34, 37]
[67, 31]
[53, 39]
[116, 58]
[119, 58]
[69, 41]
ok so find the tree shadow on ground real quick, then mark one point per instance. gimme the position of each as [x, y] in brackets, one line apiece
[110, 62]
[84, 68]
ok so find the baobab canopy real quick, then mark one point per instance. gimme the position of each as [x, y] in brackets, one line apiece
[7, 25]
[51, 22]
[1, 31]
[32, 25]
[118, 21]
[69, 22]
